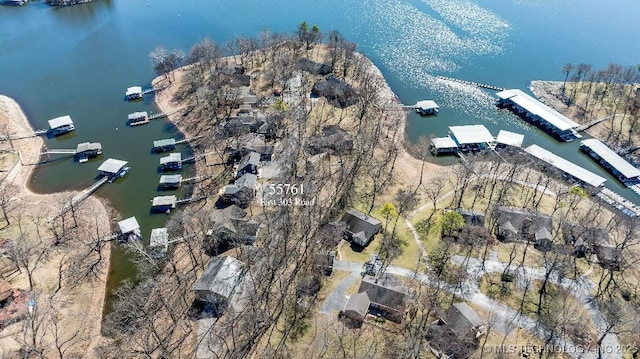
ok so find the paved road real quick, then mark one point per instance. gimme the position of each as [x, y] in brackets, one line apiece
[506, 318]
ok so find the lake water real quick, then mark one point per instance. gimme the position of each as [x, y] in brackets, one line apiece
[79, 60]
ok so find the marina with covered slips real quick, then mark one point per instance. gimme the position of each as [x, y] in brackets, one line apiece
[470, 138]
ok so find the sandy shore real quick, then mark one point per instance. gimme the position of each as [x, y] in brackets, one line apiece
[86, 300]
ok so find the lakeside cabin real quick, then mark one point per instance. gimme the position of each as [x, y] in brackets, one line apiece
[624, 171]
[172, 162]
[61, 125]
[114, 168]
[138, 118]
[163, 203]
[426, 108]
[170, 181]
[570, 169]
[134, 93]
[167, 144]
[129, 229]
[86, 150]
[538, 114]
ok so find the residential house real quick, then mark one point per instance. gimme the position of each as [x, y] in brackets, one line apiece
[360, 228]
[471, 217]
[249, 164]
[609, 257]
[456, 334]
[388, 296]
[356, 309]
[520, 225]
[219, 282]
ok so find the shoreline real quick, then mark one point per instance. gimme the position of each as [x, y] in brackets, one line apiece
[28, 150]
[407, 167]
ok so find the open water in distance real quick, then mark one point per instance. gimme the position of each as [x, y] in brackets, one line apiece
[79, 60]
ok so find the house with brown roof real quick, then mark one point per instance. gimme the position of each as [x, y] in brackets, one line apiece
[360, 228]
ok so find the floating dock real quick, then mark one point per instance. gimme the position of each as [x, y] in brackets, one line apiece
[82, 152]
[113, 169]
[170, 181]
[171, 162]
[61, 125]
[426, 108]
[617, 201]
[163, 145]
[570, 169]
[163, 203]
[624, 171]
[539, 114]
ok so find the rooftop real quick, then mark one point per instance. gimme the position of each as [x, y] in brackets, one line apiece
[471, 134]
[166, 179]
[358, 303]
[510, 138]
[173, 157]
[60, 121]
[164, 142]
[134, 90]
[136, 115]
[537, 108]
[247, 180]
[462, 320]
[128, 225]
[112, 165]
[426, 105]
[607, 154]
[362, 226]
[159, 237]
[444, 142]
[221, 276]
[160, 201]
[88, 146]
[570, 168]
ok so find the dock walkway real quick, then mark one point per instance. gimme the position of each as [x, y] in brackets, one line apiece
[19, 136]
[80, 197]
[476, 84]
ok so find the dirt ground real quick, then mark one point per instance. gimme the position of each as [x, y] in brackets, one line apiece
[78, 304]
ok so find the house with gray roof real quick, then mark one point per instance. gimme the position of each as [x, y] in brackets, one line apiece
[360, 228]
[388, 295]
[356, 309]
[217, 285]
[520, 224]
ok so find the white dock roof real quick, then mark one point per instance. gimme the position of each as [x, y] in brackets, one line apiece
[60, 121]
[170, 179]
[112, 165]
[510, 138]
[139, 114]
[537, 108]
[620, 164]
[128, 225]
[134, 90]
[173, 157]
[444, 142]
[88, 146]
[570, 168]
[426, 105]
[471, 134]
[164, 201]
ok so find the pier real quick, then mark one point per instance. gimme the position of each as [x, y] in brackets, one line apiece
[192, 199]
[20, 136]
[591, 124]
[471, 83]
[79, 198]
[83, 151]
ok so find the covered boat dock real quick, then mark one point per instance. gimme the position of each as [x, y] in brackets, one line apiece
[133, 93]
[163, 203]
[170, 181]
[611, 161]
[138, 118]
[570, 169]
[61, 125]
[167, 144]
[113, 168]
[171, 162]
[508, 138]
[426, 107]
[539, 114]
[472, 137]
[129, 228]
[443, 145]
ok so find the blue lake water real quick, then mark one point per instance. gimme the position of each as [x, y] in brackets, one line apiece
[79, 60]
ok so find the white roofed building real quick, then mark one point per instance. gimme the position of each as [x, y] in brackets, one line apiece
[471, 137]
[443, 145]
[570, 169]
[611, 161]
[539, 114]
[507, 138]
[113, 168]
[426, 107]
[133, 92]
[129, 228]
[61, 125]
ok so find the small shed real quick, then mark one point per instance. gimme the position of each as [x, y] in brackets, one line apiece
[61, 125]
[159, 242]
[426, 107]
[166, 144]
[129, 228]
[219, 282]
[360, 228]
[163, 203]
[170, 181]
[133, 92]
[113, 168]
[138, 118]
[356, 309]
[171, 162]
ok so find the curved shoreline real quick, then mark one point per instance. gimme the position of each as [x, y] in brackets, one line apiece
[28, 150]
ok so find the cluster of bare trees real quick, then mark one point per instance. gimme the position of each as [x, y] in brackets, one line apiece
[611, 92]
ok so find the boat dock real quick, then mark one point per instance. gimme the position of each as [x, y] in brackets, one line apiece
[192, 199]
[471, 83]
[19, 136]
[569, 169]
[83, 151]
[619, 202]
[608, 159]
